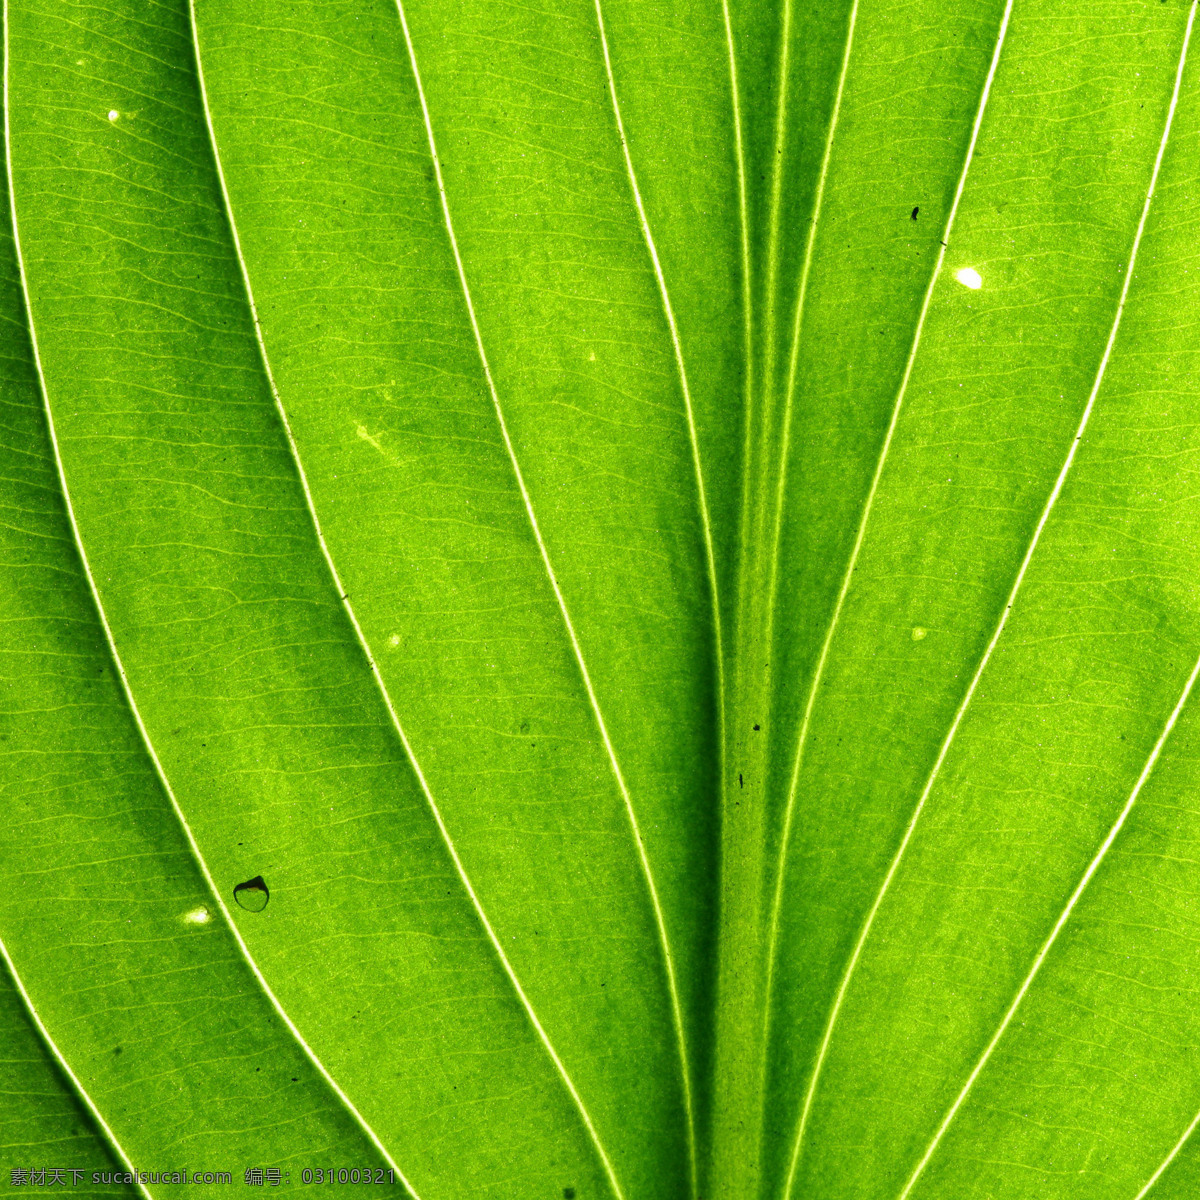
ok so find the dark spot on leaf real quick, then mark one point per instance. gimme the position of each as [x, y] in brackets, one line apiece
[568, 1193]
[756, 729]
[915, 211]
[740, 783]
[253, 894]
[117, 1049]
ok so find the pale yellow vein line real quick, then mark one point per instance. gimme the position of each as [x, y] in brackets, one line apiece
[706, 526]
[119, 665]
[1120, 821]
[1063, 918]
[744, 252]
[801, 296]
[851, 566]
[30, 1007]
[1166, 1162]
[443, 830]
[562, 605]
[777, 532]
[743, 200]
[776, 201]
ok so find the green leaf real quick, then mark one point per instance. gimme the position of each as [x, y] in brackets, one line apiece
[600, 601]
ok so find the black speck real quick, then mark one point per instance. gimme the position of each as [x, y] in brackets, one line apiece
[915, 211]
[295, 1079]
[740, 783]
[756, 729]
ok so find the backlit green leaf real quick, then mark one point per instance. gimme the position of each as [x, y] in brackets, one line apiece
[600, 601]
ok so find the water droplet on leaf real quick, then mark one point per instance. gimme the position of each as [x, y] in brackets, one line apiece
[969, 277]
[253, 894]
[918, 633]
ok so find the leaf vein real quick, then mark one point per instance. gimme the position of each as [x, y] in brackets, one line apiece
[839, 604]
[1094, 865]
[34, 1016]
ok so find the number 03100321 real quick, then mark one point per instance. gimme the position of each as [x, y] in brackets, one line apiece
[336, 1175]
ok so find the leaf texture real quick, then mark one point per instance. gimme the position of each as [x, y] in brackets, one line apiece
[663, 534]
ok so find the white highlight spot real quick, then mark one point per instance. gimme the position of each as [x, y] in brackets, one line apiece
[198, 916]
[918, 633]
[592, 356]
[113, 114]
[394, 640]
[969, 277]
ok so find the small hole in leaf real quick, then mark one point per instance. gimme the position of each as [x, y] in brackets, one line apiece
[253, 894]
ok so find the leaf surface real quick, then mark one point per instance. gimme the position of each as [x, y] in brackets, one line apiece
[663, 535]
